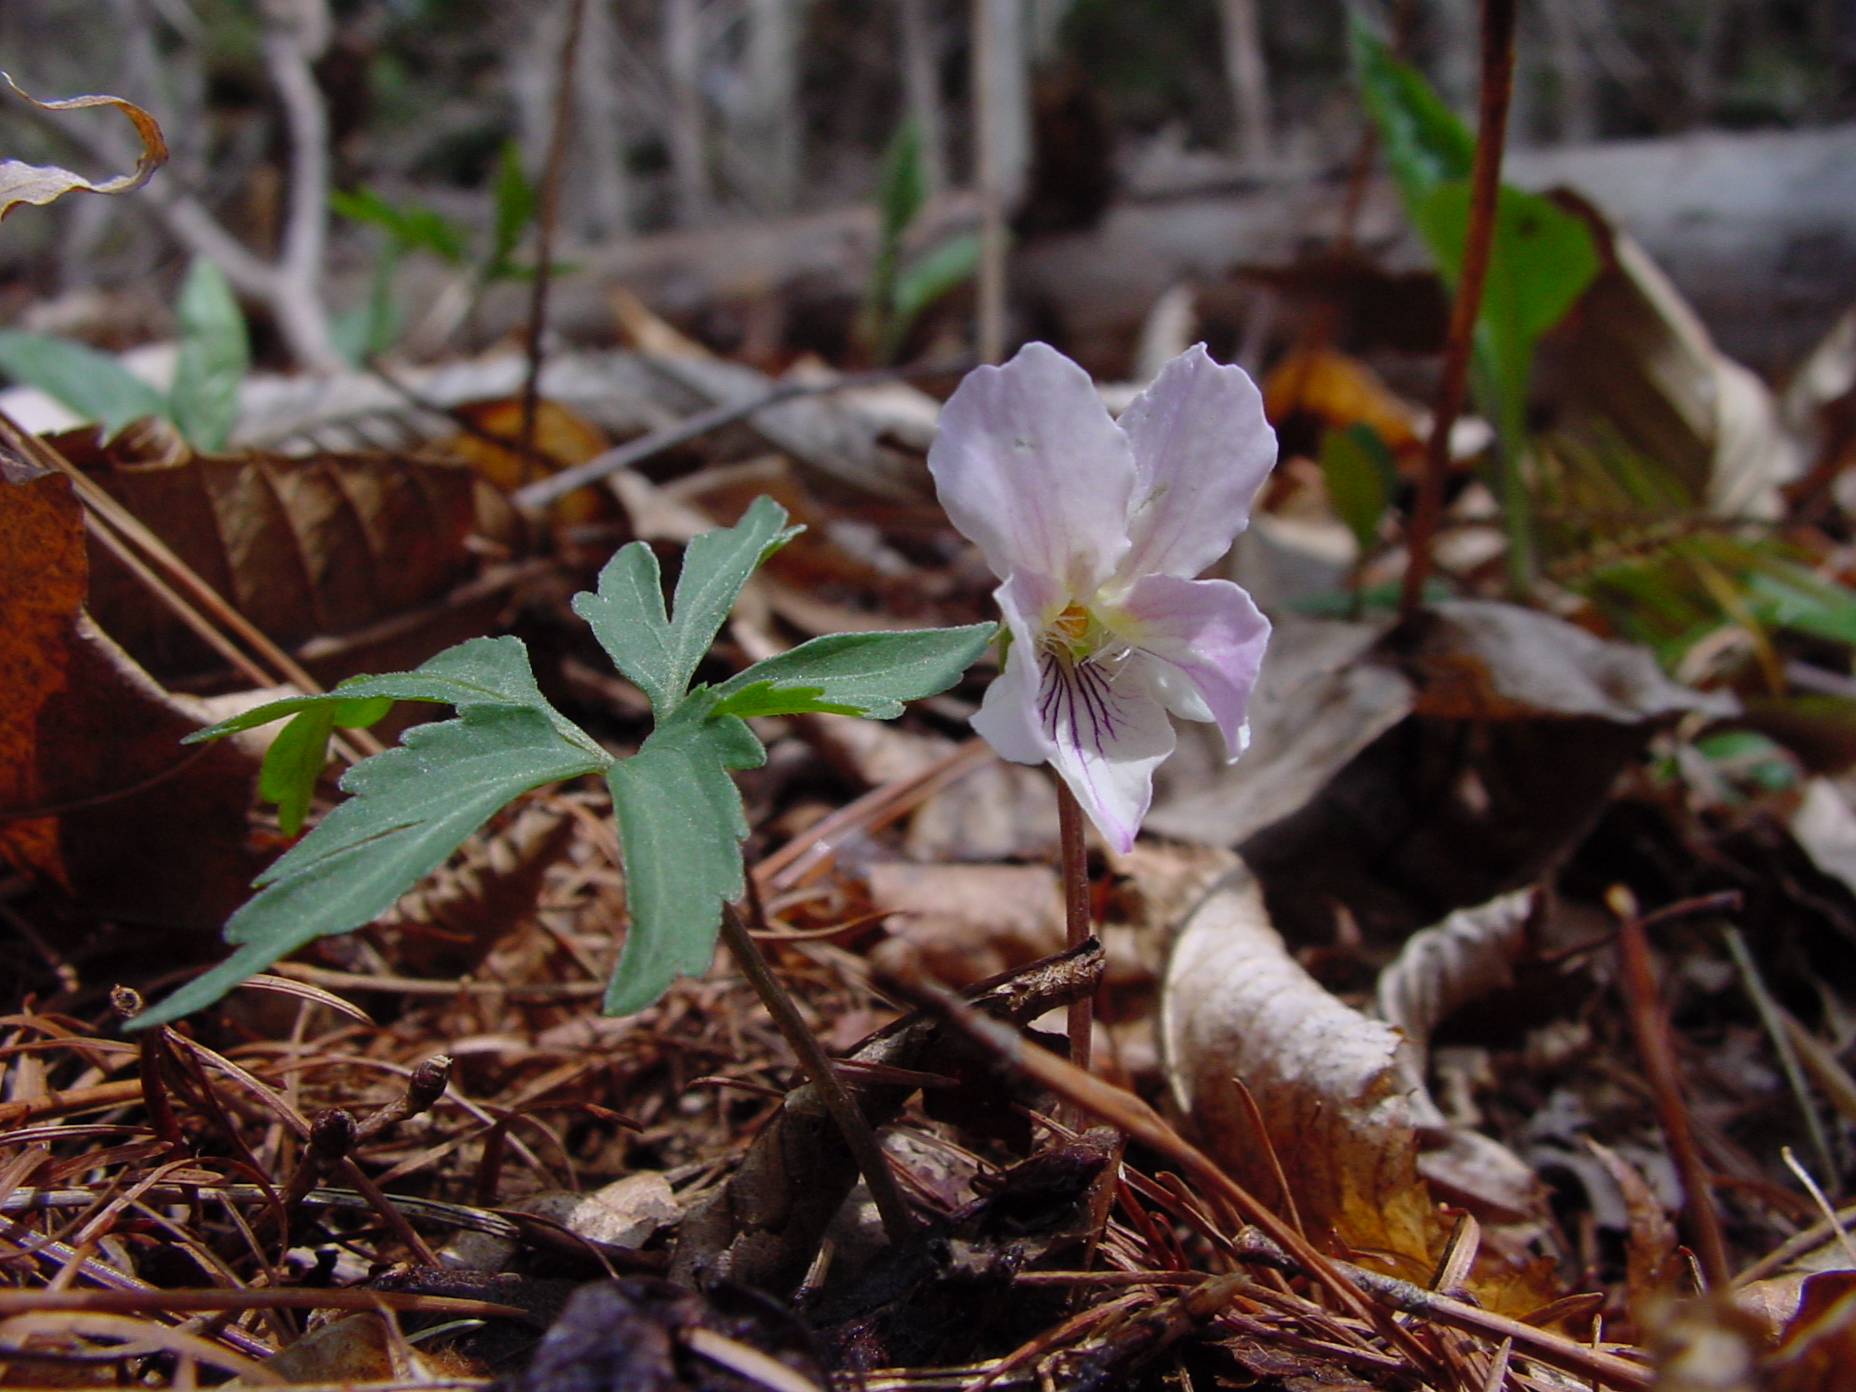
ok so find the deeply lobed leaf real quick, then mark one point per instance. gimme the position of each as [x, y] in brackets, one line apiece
[867, 674]
[658, 652]
[410, 808]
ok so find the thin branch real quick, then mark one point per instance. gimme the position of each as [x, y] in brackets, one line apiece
[547, 216]
[1498, 27]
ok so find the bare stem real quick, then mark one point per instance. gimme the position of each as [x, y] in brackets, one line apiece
[547, 215]
[1650, 1024]
[898, 1221]
[1081, 1014]
[1498, 26]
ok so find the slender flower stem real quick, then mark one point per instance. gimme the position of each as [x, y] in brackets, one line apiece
[1081, 1017]
[547, 215]
[898, 1221]
[1498, 26]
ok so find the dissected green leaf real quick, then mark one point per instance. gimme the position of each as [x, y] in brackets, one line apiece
[627, 615]
[213, 358]
[92, 384]
[1360, 475]
[764, 698]
[294, 762]
[1426, 143]
[868, 674]
[480, 672]
[409, 809]
[680, 824]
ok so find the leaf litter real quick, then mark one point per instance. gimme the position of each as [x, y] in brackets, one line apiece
[1410, 1141]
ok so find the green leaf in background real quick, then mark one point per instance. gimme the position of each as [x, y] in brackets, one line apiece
[680, 824]
[213, 358]
[92, 384]
[867, 674]
[943, 266]
[410, 808]
[296, 758]
[1426, 143]
[1794, 598]
[1540, 261]
[513, 197]
[1360, 476]
[659, 652]
[412, 226]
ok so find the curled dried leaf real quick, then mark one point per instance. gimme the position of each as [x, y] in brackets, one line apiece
[1469, 954]
[39, 184]
[1334, 1088]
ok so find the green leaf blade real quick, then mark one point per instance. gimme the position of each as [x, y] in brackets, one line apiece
[92, 384]
[872, 674]
[1426, 143]
[410, 808]
[627, 614]
[213, 358]
[680, 823]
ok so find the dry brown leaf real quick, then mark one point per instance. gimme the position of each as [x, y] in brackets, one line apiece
[444, 927]
[562, 439]
[969, 922]
[39, 184]
[1322, 697]
[1332, 1087]
[97, 794]
[304, 548]
[1652, 1262]
[1818, 1348]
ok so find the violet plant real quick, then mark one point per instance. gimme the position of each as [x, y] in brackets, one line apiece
[1097, 530]
[679, 816]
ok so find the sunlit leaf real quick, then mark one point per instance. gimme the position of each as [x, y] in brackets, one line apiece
[660, 652]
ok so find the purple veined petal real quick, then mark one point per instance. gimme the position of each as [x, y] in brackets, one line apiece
[1008, 715]
[1202, 448]
[1109, 732]
[1206, 633]
[1032, 470]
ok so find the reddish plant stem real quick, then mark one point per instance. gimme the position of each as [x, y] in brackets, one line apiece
[1650, 1025]
[1498, 26]
[1075, 853]
[547, 214]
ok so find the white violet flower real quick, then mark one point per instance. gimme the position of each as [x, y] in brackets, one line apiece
[1097, 529]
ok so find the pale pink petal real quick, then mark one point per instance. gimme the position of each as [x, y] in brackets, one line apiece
[1008, 715]
[1202, 448]
[1110, 733]
[1033, 471]
[1206, 634]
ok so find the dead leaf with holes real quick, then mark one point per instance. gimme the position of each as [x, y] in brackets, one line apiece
[40, 184]
[97, 794]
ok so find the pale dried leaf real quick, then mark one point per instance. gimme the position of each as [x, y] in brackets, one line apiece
[1327, 1080]
[1471, 953]
[1335, 1091]
[969, 922]
[40, 184]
